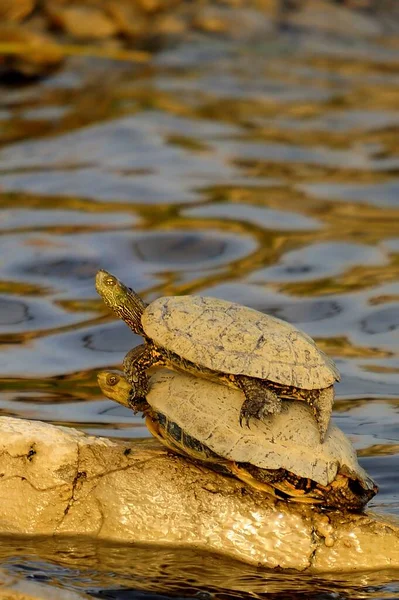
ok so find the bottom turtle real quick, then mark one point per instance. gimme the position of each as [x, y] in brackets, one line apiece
[283, 456]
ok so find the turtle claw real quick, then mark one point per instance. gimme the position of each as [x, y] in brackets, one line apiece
[244, 417]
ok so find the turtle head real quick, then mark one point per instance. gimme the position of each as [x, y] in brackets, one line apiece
[112, 291]
[124, 302]
[113, 384]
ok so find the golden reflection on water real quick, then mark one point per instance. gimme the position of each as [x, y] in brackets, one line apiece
[357, 222]
[181, 573]
[268, 180]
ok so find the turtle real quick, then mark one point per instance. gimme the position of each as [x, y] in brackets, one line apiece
[266, 358]
[282, 456]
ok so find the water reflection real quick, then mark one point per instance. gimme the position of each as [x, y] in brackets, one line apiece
[378, 194]
[320, 260]
[110, 571]
[265, 175]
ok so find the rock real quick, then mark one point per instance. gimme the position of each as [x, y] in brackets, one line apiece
[31, 54]
[55, 480]
[15, 10]
[128, 18]
[82, 22]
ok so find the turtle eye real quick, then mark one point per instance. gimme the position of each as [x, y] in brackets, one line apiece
[112, 379]
[110, 281]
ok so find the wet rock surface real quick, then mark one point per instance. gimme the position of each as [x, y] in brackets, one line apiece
[57, 481]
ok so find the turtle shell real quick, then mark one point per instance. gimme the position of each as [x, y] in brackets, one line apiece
[209, 413]
[231, 338]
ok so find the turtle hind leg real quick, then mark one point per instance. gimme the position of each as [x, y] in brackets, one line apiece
[136, 403]
[322, 408]
[259, 399]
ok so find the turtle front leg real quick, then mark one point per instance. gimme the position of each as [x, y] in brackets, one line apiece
[136, 403]
[135, 364]
[322, 408]
[259, 399]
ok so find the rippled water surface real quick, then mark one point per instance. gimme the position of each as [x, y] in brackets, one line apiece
[266, 174]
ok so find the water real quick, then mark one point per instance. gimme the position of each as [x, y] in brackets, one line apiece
[265, 174]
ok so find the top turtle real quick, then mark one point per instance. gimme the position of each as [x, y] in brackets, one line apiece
[268, 359]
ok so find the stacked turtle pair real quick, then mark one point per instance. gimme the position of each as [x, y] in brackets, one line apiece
[248, 431]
